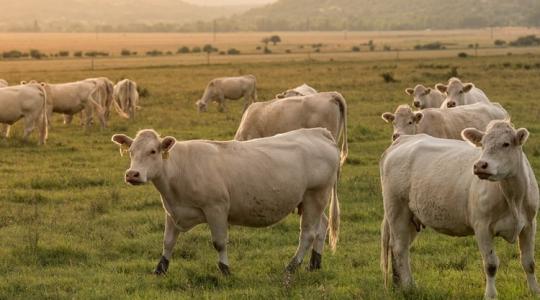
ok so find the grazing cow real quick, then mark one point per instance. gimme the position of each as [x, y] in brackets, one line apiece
[255, 183]
[424, 97]
[327, 110]
[460, 190]
[126, 98]
[3, 83]
[302, 90]
[232, 88]
[458, 93]
[74, 97]
[28, 102]
[443, 122]
[103, 96]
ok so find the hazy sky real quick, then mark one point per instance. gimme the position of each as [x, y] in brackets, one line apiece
[229, 2]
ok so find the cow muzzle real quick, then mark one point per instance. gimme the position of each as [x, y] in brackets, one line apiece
[480, 170]
[395, 136]
[417, 104]
[451, 104]
[133, 177]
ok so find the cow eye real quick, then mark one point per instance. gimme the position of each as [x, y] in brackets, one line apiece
[410, 122]
[153, 152]
[505, 145]
[461, 92]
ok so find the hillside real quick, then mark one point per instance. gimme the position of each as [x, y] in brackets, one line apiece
[386, 14]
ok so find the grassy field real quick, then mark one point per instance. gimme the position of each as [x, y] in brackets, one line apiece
[70, 227]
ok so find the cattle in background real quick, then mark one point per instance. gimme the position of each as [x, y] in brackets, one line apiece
[126, 98]
[302, 90]
[425, 97]
[459, 93]
[255, 183]
[327, 110]
[487, 191]
[231, 88]
[443, 122]
[3, 83]
[28, 102]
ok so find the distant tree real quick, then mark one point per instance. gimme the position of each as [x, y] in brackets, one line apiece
[355, 49]
[184, 49]
[499, 43]
[233, 51]
[209, 49]
[196, 49]
[275, 39]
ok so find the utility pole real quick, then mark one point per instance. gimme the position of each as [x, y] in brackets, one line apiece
[214, 29]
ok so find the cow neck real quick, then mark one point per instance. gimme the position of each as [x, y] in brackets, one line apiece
[514, 189]
[160, 181]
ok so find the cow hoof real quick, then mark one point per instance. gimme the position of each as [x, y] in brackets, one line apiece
[224, 269]
[291, 268]
[162, 266]
[315, 261]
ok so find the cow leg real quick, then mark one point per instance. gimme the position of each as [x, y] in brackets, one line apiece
[29, 124]
[217, 221]
[88, 116]
[222, 107]
[403, 232]
[318, 244]
[83, 117]
[313, 208]
[68, 119]
[170, 237]
[5, 130]
[491, 261]
[526, 247]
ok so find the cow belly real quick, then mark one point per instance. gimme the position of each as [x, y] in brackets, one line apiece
[10, 116]
[440, 217]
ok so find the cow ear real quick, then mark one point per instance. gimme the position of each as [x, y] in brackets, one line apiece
[409, 91]
[167, 143]
[428, 90]
[468, 87]
[441, 87]
[122, 139]
[418, 117]
[23, 82]
[388, 117]
[473, 136]
[522, 135]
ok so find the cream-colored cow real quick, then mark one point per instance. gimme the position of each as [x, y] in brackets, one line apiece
[457, 189]
[255, 183]
[302, 90]
[458, 93]
[425, 97]
[28, 102]
[232, 88]
[327, 110]
[126, 98]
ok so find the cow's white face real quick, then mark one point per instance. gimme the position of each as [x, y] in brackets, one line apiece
[501, 149]
[147, 152]
[420, 94]
[455, 92]
[201, 106]
[404, 121]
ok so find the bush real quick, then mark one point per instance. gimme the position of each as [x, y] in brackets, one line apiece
[267, 51]
[355, 49]
[222, 52]
[143, 92]
[430, 46]
[63, 53]
[154, 53]
[258, 48]
[463, 55]
[12, 54]
[452, 73]
[125, 52]
[499, 43]
[233, 51]
[183, 49]
[388, 77]
[528, 40]
[169, 53]
[196, 49]
[77, 53]
[318, 50]
[96, 53]
[288, 51]
[387, 48]
[36, 54]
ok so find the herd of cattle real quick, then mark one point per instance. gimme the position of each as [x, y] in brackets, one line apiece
[455, 165]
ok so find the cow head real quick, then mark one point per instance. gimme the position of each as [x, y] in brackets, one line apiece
[404, 120]
[288, 93]
[147, 152]
[201, 106]
[502, 152]
[419, 94]
[455, 92]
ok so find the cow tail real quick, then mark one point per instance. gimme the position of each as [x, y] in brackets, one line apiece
[98, 108]
[343, 130]
[117, 106]
[385, 249]
[43, 123]
[108, 102]
[334, 218]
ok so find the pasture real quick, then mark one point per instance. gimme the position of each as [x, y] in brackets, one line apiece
[71, 228]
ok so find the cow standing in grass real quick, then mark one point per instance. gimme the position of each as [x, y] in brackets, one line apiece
[232, 88]
[488, 189]
[126, 98]
[255, 183]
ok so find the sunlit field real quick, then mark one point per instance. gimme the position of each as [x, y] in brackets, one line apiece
[71, 228]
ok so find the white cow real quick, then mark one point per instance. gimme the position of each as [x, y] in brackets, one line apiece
[458, 93]
[126, 98]
[443, 122]
[425, 97]
[460, 190]
[3, 83]
[74, 97]
[28, 102]
[327, 110]
[255, 183]
[103, 96]
[302, 90]
[232, 88]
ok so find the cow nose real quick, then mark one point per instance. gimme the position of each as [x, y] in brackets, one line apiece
[395, 136]
[416, 103]
[451, 104]
[481, 165]
[132, 174]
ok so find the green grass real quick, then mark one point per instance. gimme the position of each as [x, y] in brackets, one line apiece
[70, 227]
